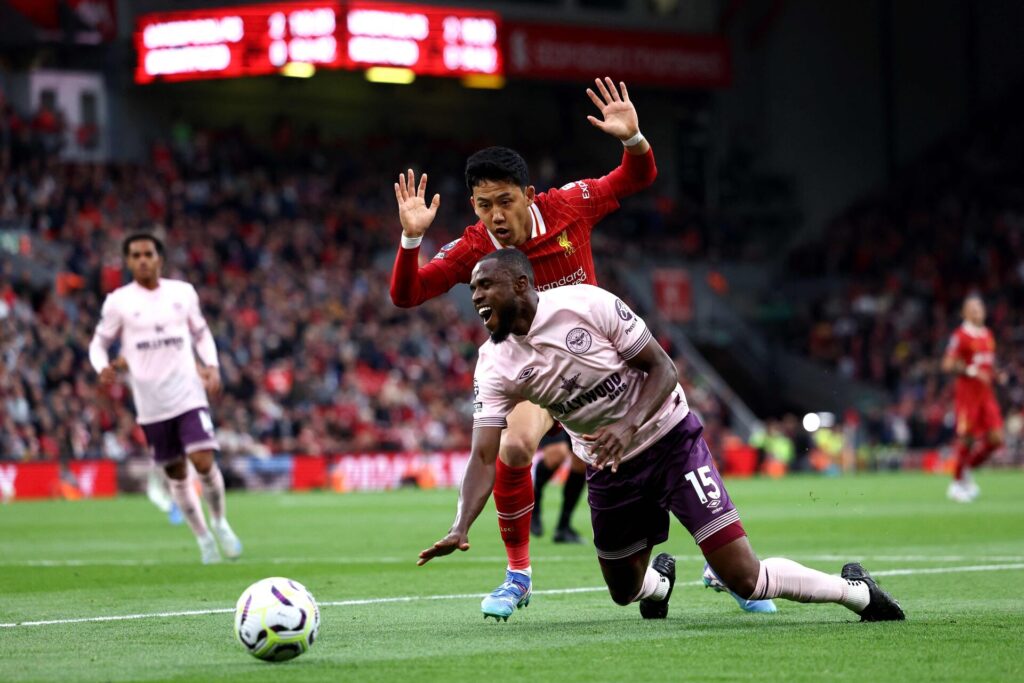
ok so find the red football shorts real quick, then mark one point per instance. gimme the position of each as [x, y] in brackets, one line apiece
[978, 417]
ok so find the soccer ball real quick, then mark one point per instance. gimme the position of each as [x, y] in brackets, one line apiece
[276, 619]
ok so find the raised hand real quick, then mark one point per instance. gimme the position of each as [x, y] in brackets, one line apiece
[453, 541]
[618, 113]
[413, 211]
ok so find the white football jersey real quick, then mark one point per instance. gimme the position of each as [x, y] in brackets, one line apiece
[156, 328]
[572, 363]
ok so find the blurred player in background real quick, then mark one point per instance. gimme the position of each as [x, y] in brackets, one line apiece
[553, 229]
[162, 330]
[971, 356]
[556, 449]
[594, 364]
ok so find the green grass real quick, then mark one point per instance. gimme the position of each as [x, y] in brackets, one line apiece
[128, 560]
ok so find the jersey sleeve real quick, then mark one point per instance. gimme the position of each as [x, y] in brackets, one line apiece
[492, 402]
[411, 284]
[626, 330]
[107, 330]
[595, 198]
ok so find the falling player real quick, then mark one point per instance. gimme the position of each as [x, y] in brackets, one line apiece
[628, 419]
[970, 356]
[553, 229]
[162, 330]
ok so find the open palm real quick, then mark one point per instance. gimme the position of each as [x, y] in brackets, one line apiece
[413, 211]
[618, 114]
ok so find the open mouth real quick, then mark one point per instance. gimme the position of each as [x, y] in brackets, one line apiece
[502, 233]
[485, 313]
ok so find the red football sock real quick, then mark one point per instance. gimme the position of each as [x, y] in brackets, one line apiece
[513, 497]
[982, 453]
[963, 459]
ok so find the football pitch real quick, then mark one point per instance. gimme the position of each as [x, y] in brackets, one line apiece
[109, 591]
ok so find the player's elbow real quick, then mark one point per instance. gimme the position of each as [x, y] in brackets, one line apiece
[400, 299]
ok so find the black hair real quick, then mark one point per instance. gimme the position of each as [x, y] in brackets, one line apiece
[513, 262]
[498, 164]
[139, 237]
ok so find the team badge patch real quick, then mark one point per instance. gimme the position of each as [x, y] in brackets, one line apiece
[446, 248]
[578, 340]
[564, 243]
[623, 310]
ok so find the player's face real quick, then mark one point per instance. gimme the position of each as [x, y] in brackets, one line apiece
[504, 208]
[144, 261]
[974, 312]
[494, 298]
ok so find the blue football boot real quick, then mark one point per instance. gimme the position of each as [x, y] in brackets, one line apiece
[508, 597]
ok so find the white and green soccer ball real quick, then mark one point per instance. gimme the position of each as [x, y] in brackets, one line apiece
[276, 619]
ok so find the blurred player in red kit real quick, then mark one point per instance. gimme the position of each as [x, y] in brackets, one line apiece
[970, 356]
[553, 230]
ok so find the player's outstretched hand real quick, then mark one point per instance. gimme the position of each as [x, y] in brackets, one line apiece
[618, 113]
[413, 211]
[609, 443]
[454, 540]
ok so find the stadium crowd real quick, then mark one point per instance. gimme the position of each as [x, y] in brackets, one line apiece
[951, 225]
[289, 244]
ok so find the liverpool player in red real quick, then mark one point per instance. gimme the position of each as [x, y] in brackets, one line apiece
[979, 424]
[553, 229]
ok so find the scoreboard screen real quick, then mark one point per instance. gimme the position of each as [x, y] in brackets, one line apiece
[255, 40]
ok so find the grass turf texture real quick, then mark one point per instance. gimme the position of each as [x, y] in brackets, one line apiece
[67, 560]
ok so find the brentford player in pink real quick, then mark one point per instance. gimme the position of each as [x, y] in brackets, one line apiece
[970, 356]
[553, 229]
[582, 354]
[161, 330]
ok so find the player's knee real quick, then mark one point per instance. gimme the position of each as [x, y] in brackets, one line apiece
[202, 461]
[176, 470]
[622, 595]
[515, 452]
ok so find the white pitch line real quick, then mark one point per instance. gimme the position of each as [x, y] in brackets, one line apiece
[466, 596]
[485, 559]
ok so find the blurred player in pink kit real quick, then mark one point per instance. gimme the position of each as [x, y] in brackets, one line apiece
[161, 330]
[584, 356]
[970, 356]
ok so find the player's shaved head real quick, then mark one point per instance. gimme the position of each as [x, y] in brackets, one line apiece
[513, 262]
[499, 164]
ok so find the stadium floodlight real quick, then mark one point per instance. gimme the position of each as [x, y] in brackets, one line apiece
[388, 74]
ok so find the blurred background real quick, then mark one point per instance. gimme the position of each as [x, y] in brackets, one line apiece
[834, 179]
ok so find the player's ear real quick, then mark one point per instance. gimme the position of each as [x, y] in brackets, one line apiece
[530, 193]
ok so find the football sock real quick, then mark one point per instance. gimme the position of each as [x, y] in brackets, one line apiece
[156, 489]
[655, 586]
[188, 502]
[782, 578]
[541, 476]
[982, 453]
[213, 492]
[963, 459]
[570, 496]
[513, 498]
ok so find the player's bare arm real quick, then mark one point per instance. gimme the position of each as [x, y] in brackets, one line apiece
[477, 484]
[618, 115]
[609, 442]
[413, 211]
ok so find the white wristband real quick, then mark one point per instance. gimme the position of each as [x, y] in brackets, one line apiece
[971, 370]
[411, 242]
[635, 140]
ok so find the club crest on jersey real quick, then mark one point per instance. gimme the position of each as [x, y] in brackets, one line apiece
[578, 340]
[570, 384]
[526, 374]
[623, 310]
[446, 248]
[564, 243]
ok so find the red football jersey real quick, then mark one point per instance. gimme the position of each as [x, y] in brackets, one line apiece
[558, 247]
[976, 347]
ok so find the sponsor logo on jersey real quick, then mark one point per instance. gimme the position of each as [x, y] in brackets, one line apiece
[610, 388]
[526, 374]
[623, 310]
[578, 340]
[575, 278]
[570, 384]
[584, 189]
[166, 342]
[446, 248]
[564, 243]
